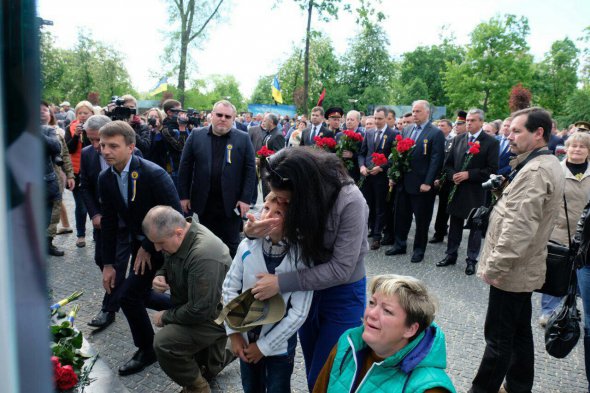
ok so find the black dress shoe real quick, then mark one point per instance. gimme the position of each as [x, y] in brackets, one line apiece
[470, 269]
[446, 261]
[395, 251]
[376, 244]
[416, 257]
[140, 360]
[54, 251]
[102, 319]
[388, 241]
[436, 239]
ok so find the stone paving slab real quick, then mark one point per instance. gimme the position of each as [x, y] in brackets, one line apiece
[461, 314]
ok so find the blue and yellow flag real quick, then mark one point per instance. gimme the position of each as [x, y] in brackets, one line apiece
[276, 91]
[160, 87]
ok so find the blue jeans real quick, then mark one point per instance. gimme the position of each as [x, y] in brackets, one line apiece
[80, 212]
[549, 303]
[584, 289]
[272, 374]
[333, 311]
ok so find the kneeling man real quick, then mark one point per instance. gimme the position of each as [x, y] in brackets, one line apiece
[195, 264]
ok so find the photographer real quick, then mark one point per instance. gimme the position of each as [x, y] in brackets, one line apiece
[76, 140]
[513, 260]
[168, 141]
[125, 108]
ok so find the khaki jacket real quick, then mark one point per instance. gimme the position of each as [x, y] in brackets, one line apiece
[577, 193]
[514, 253]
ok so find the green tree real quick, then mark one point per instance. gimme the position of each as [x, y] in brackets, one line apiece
[556, 76]
[428, 65]
[262, 91]
[193, 16]
[496, 59]
[227, 87]
[367, 67]
[577, 107]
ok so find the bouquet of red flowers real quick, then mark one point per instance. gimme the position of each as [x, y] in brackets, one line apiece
[328, 144]
[264, 152]
[350, 141]
[400, 157]
[473, 150]
[377, 159]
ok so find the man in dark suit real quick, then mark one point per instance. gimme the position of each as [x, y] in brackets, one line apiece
[317, 128]
[374, 188]
[128, 190]
[415, 194]
[505, 155]
[353, 123]
[469, 193]
[217, 173]
[91, 164]
[270, 135]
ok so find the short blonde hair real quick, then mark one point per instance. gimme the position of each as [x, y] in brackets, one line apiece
[581, 137]
[412, 295]
[85, 104]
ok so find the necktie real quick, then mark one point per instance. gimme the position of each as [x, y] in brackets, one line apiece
[471, 139]
[313, 132]
[416, 132]
[377, 138]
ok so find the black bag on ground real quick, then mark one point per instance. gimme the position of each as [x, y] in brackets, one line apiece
[563, 328]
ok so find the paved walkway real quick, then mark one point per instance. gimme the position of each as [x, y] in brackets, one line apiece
[462, 307]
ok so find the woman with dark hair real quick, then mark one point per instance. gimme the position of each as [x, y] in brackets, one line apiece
[326, 224]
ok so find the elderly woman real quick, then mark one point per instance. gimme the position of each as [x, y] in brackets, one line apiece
[398, 348]
[76, 140]
[326, 223]
[577, 191]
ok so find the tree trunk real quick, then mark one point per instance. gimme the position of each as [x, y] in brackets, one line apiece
[184, 41]
[306, 61]
[485, 100]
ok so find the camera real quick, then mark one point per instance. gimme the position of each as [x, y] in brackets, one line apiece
[494, 183]
[152, 121]
[194, 118]
[120, 112]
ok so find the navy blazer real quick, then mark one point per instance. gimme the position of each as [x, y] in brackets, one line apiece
[153, 187]
[241, 126]
[368, 147]
[238, 174]
[504, 161]
[324, 132]
[426, 160]
[89, 170]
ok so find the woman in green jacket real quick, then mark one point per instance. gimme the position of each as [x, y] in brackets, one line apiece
[398, 348]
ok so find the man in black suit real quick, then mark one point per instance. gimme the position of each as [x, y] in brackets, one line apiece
[415, 194]
[317, 128]
[268, 134]
[216, 177]
[91, 164]
[128, 190]
[374, 188]
[469, 193]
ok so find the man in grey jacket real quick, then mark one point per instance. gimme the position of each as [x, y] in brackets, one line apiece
[513, 257]
[195, 264]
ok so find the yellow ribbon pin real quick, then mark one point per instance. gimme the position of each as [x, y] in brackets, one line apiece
[425, 146]
[229, 147]
[383, 142]
[134, 176]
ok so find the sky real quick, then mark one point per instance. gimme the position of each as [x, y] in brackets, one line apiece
[256, 36]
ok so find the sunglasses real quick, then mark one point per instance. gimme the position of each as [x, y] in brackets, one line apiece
[220, 115]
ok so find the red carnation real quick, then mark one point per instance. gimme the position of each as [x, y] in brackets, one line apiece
[398, 137]
[378, 159]
[473, 148]
[66, 378]
[325, 143]
[264, 152]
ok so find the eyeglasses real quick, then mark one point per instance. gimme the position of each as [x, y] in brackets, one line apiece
[283, 179]
[220, 115]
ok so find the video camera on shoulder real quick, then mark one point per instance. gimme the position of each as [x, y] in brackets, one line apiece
[120, 112]
[194, 118]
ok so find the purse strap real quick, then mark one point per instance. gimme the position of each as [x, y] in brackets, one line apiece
[572, 288]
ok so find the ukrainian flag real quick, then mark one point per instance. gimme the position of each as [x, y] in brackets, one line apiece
[160, 87]
[276, 91]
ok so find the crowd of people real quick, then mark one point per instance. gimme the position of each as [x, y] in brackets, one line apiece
[142, 178]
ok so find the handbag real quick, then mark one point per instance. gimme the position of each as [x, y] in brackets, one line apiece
[560, 265]
[479, 218]
[562, 331]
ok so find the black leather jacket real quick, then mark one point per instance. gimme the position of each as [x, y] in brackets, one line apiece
[581, 240]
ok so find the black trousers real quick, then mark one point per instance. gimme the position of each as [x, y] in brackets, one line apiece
[455, 237]
[110, 302]
[375, 193]
[442, 217]
[509, 349]
[227, 229]
[408, 206]
[388, 227]
[137, 294]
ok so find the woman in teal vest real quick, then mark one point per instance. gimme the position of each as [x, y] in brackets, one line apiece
[398, 348]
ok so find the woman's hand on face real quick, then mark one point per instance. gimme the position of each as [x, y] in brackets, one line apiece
[266, 287]
[260, 228]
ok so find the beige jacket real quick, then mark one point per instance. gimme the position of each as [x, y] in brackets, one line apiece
[514, 253]
[577, 193]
